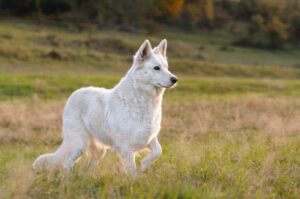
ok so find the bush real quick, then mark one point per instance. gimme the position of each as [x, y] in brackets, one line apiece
[20, 7]
[295, 28]
[54, 6]
[277, 32]
[190, 16]
[270, 22]
[264, 33]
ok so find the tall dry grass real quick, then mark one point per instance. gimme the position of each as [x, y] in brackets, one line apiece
[277, 116]
[30, 121]
[35, 120]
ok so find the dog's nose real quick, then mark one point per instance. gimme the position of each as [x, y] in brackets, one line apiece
[174, 80]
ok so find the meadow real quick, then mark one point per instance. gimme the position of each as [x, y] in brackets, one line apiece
[230, 128]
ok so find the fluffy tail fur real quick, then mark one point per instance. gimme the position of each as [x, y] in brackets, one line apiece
[50, 161]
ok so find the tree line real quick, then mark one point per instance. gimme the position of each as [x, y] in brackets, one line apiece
[269, 23]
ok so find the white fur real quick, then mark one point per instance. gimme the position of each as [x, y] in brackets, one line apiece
[126, 118]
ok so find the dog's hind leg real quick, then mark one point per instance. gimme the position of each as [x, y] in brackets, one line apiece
[75, 142]
[155, 152]
[75, 151]
[95, 152]
[128, 160]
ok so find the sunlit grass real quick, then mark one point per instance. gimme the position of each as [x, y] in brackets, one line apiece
[219, 165]
[241, 147]
[230, 128]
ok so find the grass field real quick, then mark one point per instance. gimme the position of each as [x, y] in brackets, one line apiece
[27, 46]
[230, 128]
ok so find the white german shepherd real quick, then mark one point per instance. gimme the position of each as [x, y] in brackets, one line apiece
[126, 118]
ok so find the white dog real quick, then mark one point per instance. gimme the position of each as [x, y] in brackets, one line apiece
[126, 118]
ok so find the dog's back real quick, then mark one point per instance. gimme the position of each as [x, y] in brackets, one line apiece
[84, 99]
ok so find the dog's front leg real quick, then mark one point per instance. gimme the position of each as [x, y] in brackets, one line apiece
[156, 151]
[128, 160]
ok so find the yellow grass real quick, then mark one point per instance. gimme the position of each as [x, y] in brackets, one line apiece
[238, 147]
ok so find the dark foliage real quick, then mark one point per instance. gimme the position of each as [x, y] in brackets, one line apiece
[271, 24]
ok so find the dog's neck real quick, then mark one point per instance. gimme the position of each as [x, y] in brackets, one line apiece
[137, 92]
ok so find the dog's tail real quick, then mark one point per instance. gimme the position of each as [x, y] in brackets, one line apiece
[49, 161]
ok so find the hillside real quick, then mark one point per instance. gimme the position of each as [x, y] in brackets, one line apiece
[28, 46]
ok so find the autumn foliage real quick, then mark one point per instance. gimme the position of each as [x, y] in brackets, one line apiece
[272, 21]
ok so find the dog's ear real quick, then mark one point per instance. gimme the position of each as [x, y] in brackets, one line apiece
[144, 52]
[162, 48]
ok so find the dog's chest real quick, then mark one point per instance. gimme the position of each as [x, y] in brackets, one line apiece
[136, 122]
[144, 116]
[146, 125]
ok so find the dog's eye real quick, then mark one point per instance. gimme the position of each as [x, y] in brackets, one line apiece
[156, 68]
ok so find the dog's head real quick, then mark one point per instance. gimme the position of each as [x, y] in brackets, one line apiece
[151, 66]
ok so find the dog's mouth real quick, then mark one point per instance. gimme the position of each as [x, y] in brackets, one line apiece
[163, 86]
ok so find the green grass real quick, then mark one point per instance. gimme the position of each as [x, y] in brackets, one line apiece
[29, 46]
[250, 165]
[59, 86]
